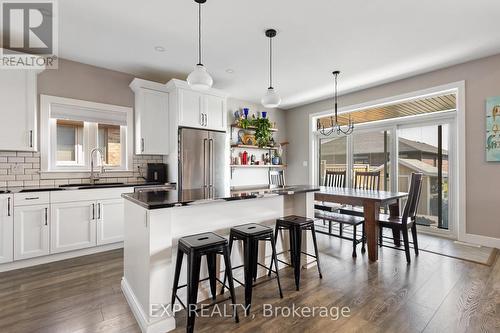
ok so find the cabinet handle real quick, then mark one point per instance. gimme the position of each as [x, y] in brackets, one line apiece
[93, 212]
[32, 198]
[202, 119]
[46, 216]
[99, 211]
[8, 206]
[206, 119]
[142, 145]
[31, 138]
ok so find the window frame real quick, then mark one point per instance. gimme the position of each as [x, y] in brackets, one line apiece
[48, 138]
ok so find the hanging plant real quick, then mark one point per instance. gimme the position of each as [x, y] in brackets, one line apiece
[244, 123]
[262, 131]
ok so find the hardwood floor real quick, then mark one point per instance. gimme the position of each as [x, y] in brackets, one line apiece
[433, 294]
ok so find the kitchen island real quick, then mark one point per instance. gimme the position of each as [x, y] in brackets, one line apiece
[154, 221]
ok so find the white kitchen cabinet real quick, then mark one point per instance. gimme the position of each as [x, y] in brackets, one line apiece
[151, 117]
[197, 109]
[6, 229]
[73, 226]
[110, 221]
[192, 115]
[31, 231]
[215, 112]
[18, 103]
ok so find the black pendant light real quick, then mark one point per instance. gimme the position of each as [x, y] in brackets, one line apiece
[334, 125]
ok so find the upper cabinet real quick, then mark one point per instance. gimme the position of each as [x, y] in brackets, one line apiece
[18, 104]
[198, 109]
[151, 117]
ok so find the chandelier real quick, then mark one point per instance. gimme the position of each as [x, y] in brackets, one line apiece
[334, 125]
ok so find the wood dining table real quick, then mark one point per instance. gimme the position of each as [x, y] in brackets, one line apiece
[371, 201]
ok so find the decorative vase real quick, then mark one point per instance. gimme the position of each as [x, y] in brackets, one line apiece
[276, 160]
[245, 112]
[264, 114]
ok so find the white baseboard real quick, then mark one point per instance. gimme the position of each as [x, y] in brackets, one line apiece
[160, 325]
[480, 240]
[57, 257]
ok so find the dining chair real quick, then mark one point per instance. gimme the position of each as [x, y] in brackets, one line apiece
[277, 178]
[406, 221]
[363, 180]
[331, 179]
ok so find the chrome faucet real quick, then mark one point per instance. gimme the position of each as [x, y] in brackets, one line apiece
[93, 175]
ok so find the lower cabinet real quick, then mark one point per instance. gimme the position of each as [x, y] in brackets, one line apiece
[73, 226]
[31, 231]
[110, 221]
[6, 228]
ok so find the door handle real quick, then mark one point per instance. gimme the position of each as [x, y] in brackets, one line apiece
[46, 216]
[205, 183]
[8, 206]
[211, 161]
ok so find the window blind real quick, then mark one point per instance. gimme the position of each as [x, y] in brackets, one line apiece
[77, 113]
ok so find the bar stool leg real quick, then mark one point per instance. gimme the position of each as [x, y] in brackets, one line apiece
[194, 262]
[316, 252]
[178, 266]
[211, 264]
[297, 246]
[276, 230]
[227, 263]
[275, 259]
[255, 256]
[248, 266]
[225, 272]
[380, 236]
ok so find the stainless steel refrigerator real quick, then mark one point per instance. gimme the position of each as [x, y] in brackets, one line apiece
[202, 161]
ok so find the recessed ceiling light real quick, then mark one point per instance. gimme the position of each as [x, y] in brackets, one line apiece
[230, 71]
[159, 49]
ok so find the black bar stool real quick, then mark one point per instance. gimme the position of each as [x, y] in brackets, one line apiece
[295, 225]
[196, 246]
[251, 234]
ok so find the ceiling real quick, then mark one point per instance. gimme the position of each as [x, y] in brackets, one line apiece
[371, 42]
[401, 109]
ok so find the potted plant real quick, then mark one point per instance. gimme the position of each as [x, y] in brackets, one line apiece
[262, 131]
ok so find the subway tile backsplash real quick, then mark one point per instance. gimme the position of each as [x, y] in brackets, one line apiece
[23, 169]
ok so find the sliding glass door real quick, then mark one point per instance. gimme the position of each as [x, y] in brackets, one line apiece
[425, 149]
[397, 151]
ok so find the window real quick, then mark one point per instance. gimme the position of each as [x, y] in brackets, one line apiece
[70, 129]
[69, 142]
[109, 139]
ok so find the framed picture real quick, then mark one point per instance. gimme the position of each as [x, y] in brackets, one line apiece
[493, 129]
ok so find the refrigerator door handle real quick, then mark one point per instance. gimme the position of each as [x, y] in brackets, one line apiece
[205, 164]
[211, 150]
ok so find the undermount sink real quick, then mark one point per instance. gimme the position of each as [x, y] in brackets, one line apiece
[41, 189]
[84, 186]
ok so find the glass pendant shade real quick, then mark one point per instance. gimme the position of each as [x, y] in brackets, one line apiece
[271, 99]
[200, 79]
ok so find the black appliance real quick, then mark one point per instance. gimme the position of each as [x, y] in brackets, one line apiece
[157, 172]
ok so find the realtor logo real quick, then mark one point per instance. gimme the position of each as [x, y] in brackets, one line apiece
[29, 34]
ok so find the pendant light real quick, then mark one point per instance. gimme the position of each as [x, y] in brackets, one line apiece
[271, 99]
[200, 79]
[334, 125]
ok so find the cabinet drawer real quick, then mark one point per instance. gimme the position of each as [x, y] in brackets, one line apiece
[31, 198]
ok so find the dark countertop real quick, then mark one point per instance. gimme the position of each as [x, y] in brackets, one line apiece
[168, 199]
[19, 189]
